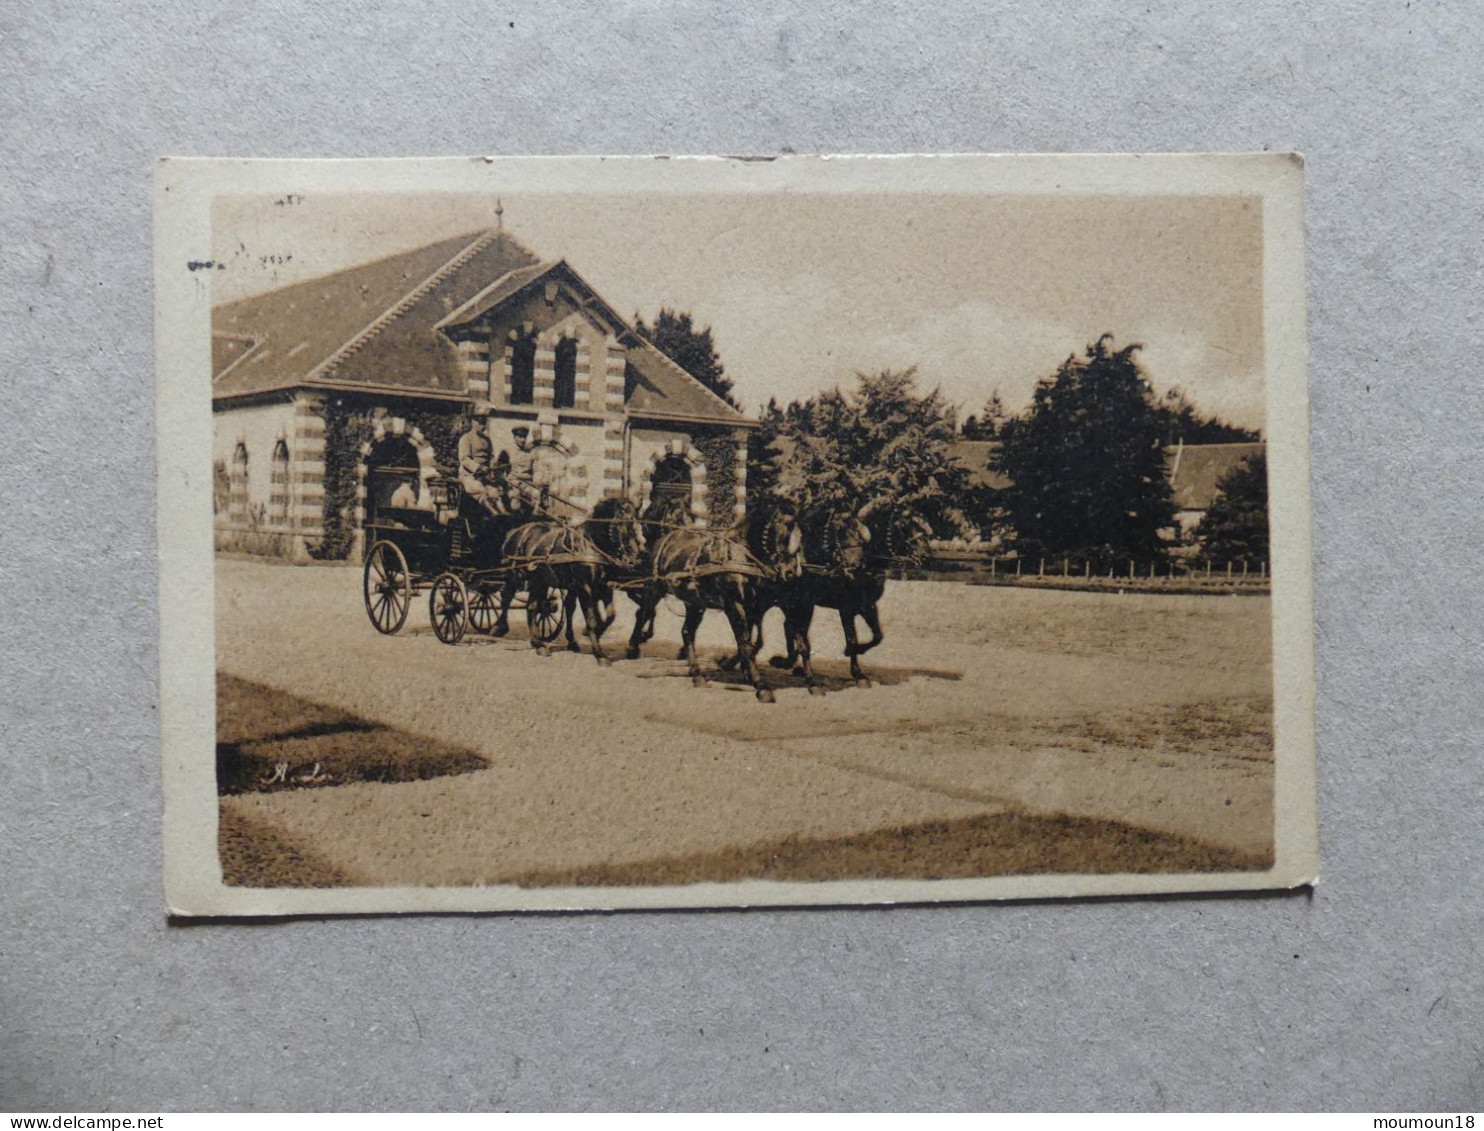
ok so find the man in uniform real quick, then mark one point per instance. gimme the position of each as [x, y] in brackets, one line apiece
[475, 452]
[543, 463]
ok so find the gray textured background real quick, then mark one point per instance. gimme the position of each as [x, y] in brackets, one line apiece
[1364, 994]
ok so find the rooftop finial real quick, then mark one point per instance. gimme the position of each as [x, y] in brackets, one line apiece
[499, 215]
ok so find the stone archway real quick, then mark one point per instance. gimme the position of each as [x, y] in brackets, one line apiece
[388, 427]
[678, 448]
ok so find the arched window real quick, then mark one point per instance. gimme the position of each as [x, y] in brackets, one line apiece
[565, 387]
[237, 496]
[393, 476]
[523, 371]
[672, 479]
[221, 488]
[278, 497]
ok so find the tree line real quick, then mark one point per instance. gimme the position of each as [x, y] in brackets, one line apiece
[1083, 468]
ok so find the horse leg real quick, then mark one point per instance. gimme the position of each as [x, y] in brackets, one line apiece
[569, 608]
[606, 599]
[687, 644]
[536, 595]
[796, 620]
[798, 643]
[852, 646]
[693, 614]
[592, 620]
[507, 594]
[642, 597]
[754, 635]
[736, 610]
[871, 614]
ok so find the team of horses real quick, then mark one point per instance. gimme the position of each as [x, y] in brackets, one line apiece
[779, 556]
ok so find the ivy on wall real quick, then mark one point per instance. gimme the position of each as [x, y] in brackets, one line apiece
[348, 425]
[719, 450]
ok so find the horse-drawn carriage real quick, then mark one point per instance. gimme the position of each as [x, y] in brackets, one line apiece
[454, 551]
[475, 567]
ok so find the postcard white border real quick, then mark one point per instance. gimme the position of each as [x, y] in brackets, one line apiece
[183, 194]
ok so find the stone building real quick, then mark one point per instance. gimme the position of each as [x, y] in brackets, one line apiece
[332, 395]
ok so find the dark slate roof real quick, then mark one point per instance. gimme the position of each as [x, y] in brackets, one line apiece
[1196, 469]
[367, 324]
[497, 292]
[665, 389]
[376, 324]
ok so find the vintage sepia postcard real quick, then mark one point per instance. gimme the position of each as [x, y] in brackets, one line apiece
[543, 533]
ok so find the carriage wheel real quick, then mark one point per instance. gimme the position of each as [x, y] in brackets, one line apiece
[387, 585]
[483, 609]
[545, 618]
[448, 607]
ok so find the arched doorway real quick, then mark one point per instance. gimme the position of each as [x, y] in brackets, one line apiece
[675, 474]
[672, 483]
[393, 476]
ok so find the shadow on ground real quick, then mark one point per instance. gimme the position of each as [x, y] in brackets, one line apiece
[268, 740]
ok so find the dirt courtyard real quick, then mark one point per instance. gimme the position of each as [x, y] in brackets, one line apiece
[1008, 730]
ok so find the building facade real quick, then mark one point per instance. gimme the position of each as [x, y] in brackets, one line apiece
[343, 394]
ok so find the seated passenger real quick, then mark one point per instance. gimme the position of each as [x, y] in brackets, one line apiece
[474, 463]
[405, 495]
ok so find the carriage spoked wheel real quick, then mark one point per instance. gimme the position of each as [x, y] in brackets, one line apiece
[483, 610]
[387, 585]
[448, 607]
[545, 616]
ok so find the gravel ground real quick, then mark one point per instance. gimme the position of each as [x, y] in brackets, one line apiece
[1131, 712]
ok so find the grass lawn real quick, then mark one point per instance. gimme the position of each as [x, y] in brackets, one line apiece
[1005, 844]
[269, 740]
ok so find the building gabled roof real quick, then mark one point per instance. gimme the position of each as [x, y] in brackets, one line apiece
[370, 323]
[1197, 469]
[377, 325]
[665, 389]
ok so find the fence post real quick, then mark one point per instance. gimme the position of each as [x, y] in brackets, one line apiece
[1042, 572]
[1065, 567]
[1244, 569]
[1017, 565]
[1262, 570]
[1228, 571]
[1208, 569]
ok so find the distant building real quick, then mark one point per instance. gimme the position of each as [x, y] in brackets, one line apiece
[378, 366]
[1194, 470]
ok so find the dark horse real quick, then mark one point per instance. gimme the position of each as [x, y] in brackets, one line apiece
[846, 555]
[582, 561]
[713, 569]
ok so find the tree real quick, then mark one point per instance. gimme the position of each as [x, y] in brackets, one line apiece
[987, 425]
[1235, 529]
[1182, 422]
[764, 453]
[881, 441]
[675, 335]
[1086, 463]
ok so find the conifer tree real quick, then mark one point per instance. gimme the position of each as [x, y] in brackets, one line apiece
[674, 334]
[1235, 529]
[1087, 464]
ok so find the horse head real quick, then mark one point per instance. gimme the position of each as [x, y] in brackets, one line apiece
[615, 529]
[772, 534]
[907, 537]
[663, 514]
[835, 539]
